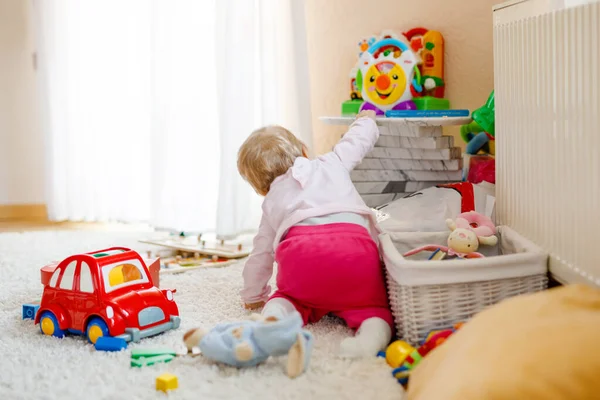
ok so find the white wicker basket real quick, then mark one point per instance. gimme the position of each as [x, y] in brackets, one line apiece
[426, 295]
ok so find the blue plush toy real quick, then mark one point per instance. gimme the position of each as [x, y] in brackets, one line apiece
[249, 343]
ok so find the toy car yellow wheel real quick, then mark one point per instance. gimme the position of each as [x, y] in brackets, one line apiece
[96, 328]
[49, 325]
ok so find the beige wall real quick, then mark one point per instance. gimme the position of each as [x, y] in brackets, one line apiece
[335, 26]
[21, 147]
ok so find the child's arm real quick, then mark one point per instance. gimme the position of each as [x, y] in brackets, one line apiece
[259, 267]
[358, 141]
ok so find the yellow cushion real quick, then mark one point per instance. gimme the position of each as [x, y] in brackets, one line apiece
[540, 346]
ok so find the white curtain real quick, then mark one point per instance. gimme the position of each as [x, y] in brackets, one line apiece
[263, 77]
[145, 104]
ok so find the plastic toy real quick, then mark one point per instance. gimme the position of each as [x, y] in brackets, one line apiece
[396, 353]
[385, 76]
[146, 357]
[107, 343]
[469, 231]
[352, 106]
[104, 293]
[429, 46]
[166, 382]
[30, 310]
[355, 93]
[482, 129]
[154, 269]
[405, 76]
[438, 254]
[196, 245]
[433, 340]
[184, 262]
[251, 342]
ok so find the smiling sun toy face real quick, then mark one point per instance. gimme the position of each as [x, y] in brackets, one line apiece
[385, 83]
[385, 78]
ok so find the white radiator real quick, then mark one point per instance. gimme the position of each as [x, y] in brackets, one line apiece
[547, 87]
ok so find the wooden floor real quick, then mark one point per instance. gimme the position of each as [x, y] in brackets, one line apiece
[42, 225]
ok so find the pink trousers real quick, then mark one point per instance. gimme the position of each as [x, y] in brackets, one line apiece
[333, 268]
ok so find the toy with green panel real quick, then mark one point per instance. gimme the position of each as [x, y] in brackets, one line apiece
[429, 46]
[393, 75]
[386, 75]
[383, 75]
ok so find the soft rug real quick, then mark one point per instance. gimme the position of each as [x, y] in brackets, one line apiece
[33, 366]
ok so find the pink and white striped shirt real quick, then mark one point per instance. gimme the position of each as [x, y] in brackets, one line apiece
[310, 188]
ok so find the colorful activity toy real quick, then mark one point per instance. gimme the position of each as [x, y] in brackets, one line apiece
[385, 76]
[251, 342]
[468, 231]
[393, 75]
[105, 293]
[429, 46]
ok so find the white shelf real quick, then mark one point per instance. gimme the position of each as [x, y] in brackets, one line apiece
[383, 121]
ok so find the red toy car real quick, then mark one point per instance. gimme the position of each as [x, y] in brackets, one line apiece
[104, 293]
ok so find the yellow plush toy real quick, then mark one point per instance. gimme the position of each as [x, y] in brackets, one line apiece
[539, 346]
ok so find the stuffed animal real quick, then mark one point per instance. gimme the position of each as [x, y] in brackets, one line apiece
[251, 342]
[468, 231]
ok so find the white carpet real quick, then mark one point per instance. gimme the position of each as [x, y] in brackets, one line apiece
[33, 366]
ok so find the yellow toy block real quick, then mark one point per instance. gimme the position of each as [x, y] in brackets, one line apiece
[166, 382]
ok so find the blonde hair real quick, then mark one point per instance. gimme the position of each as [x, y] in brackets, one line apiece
[268, 153]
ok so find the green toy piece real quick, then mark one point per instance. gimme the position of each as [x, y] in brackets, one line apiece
[149, 356]
[485, 115]
[146, 362]
[152, 352]
[351, 107]
[484, 120]
[431, 103]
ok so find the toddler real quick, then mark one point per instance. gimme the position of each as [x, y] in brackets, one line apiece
[318, 229]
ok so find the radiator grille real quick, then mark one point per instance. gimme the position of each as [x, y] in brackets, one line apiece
[548, 129]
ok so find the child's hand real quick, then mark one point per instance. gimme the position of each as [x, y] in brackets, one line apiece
[254, 306]
[366, 113]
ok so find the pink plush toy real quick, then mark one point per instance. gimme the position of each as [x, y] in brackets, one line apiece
[468, 231]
